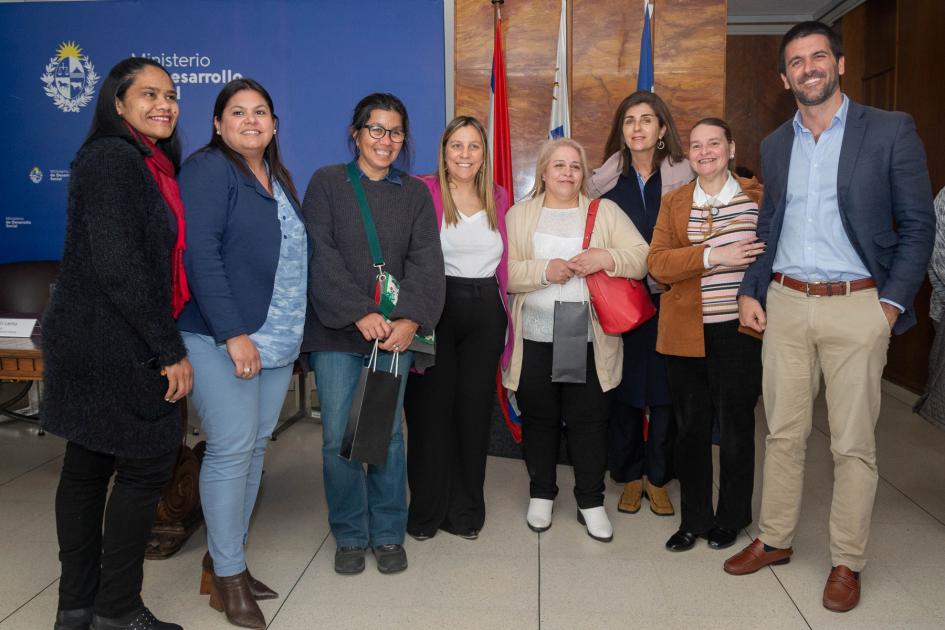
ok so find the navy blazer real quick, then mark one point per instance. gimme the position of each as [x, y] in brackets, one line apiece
[885, 200]
[233, 244]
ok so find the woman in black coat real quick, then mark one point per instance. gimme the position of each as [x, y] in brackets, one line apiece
[115, 364]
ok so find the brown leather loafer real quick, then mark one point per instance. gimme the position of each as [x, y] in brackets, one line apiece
[842, 591]
[754, 557]
[630, 499]
[259, 590]
[659, 499]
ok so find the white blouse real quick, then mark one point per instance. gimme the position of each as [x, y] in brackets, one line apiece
[559, 234]
[471, 249]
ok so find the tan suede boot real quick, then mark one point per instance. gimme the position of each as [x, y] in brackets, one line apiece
[660, 503]
[630, 499]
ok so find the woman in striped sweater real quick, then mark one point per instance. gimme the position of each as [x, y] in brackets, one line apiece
[703, 240]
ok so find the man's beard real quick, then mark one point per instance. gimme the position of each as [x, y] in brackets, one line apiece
[830, 86]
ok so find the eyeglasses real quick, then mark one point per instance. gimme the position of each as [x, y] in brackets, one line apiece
[377, 132]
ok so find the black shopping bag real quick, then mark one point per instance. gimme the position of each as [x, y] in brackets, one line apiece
[373, 409]
[569, 350]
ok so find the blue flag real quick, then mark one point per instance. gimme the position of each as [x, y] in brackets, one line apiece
[645, 72]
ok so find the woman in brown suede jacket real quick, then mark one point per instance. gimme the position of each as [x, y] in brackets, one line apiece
[703, 240]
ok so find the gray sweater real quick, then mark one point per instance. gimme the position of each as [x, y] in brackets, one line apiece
[341, 276]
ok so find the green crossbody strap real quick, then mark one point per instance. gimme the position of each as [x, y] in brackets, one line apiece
[373, 242]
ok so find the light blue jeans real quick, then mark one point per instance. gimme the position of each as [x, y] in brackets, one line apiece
[364, 507]
[237, 416]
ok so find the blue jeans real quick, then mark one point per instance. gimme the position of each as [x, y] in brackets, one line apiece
[237, 415]
[364, 507]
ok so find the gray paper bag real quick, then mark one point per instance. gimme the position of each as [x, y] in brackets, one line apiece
[569, 350]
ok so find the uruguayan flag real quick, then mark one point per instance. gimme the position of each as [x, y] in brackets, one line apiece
[560, 112]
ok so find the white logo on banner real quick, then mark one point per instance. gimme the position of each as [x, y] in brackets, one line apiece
[36, 175]
[70, 78]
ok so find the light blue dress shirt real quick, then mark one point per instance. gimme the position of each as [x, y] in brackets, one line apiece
[280, 337]
[814, 247]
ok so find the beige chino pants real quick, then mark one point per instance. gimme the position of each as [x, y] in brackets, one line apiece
[846, 337]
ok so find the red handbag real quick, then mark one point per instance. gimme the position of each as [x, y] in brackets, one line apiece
[621, 304]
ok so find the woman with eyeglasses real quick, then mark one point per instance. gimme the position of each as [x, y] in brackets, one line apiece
[449, 407]
[368, 507]
[703, 241]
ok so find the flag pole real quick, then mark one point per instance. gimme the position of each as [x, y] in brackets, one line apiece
[496, 8]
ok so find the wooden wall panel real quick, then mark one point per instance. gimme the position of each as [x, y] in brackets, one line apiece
[530, 32]
[605, 58]
[852, 28]
[689, 59]
[756, 102]
[689, 54]
[920, 91]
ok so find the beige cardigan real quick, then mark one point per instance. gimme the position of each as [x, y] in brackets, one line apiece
[614, 232]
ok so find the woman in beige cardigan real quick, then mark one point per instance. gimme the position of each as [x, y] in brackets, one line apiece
[545, 238]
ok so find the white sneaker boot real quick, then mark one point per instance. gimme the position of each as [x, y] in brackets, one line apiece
[539, 514]
[597, 523]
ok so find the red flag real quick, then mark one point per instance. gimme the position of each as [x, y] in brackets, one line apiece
[500, 142]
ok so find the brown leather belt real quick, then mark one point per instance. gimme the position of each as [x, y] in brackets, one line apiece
[824, 289]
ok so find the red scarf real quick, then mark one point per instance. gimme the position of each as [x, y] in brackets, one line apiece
[162, 169]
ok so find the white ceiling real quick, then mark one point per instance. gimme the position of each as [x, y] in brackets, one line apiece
[761, 17]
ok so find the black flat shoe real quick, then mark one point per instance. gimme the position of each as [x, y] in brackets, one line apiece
[720, 538]
[682, 541]
[75, 619]
[466, 534]
[141, 619]
[421, 537]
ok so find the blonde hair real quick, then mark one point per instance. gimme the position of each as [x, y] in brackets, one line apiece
[483, 180]
[544, 158]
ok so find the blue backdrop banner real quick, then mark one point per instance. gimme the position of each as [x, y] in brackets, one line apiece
[316, 58]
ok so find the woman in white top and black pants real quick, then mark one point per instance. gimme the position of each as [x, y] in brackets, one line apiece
[449, 408]
[547, 264]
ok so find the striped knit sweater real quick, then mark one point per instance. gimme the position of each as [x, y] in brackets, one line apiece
[716, 224]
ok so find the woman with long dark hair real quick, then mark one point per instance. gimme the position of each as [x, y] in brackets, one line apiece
[368, 508]
[115, 365]
[646, 162]
[247, 258]
[449, 407]
[703, 241]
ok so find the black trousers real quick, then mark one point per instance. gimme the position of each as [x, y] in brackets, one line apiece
[584, 407]
[629, 457]
[102, 566]
[449, 409]
[724, 384]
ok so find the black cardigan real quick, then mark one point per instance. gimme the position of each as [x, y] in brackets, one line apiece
[108, 328]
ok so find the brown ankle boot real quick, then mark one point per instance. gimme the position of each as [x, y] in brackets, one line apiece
[660, 503]
[232, 596]
[630, 499]
[260, 591]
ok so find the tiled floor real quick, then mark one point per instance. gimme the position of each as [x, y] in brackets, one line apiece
[511, 577]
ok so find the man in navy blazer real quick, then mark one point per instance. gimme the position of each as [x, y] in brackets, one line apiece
[848, 225]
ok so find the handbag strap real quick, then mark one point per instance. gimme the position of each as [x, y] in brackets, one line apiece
[591, 218]
[373, 242]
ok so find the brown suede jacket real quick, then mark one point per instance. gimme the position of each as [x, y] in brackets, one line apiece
[675, 261]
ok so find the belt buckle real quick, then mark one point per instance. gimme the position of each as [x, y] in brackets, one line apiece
[807, 286]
